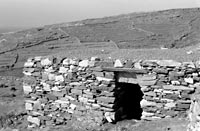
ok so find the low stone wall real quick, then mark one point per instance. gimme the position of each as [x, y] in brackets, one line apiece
[61, 89]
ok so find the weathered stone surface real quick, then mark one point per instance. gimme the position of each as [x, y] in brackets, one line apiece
[171, 87]
[27, 89]
[84, 63]
[106, 99]
[33, 120]
[169, 63]
[118, 64]
[147, 83]
[46, 62]
[144, 103]
[28, 64]
[28, 106]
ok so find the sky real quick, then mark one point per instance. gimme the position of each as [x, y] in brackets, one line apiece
[31, 13]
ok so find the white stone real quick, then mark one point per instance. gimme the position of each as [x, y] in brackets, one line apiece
[33, 120]
[46, 87]
[167, 100]
[145, 103]
[29, 64]
[147, 114]
[118, 64]
[27, 89]
[75, 83]
[55, 88]
[109, 117]
[72, 67]
[28, 106]
[46, 62]
[169, 63]
[137, 65]
[66, 62]
[124, 80]
[27, 73]
[94, 58]
[170, 105]
[59, 78]
[38, 58]
[62, 102]
[84, 63]
[51, 77]
[175, 82]
[72, 106]
[168, 92]
[49, 70]
[189, 80]
[72, 62]
[63, 70]
[69, 97]
[103, 79]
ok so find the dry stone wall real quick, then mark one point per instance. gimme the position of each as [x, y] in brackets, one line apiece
[58, 90]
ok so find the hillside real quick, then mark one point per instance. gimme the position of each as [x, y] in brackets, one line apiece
[131, 36]
[176, 28]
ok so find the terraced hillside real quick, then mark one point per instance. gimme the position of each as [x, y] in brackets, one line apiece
[175, 28]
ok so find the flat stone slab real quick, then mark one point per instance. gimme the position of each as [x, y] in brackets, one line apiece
[172, 87]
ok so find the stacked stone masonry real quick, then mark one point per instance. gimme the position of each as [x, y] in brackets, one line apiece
[61, 89]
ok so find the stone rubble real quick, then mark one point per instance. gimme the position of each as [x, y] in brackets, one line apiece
[58, 90]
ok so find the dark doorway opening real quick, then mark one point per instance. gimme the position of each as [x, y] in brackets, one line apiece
[127, 104]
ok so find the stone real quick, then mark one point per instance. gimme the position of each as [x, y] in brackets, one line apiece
[103, 79]
[137, 65]
[29, 64]
[29, 106]
[118, 64]
[33, 120]
[147, 83]
[189, 80]
[59, 78]
[72, 106]
[168, 63]
[146, 77]
[46, 87]
[27, 89]
[46, 62]
[126, 80]
[145, 103]
[109, 117]
[170, 105]
[175, 82]
[160, 70]
[84, 63]
[106, 99]
[56, 89]
[51, 77]
[171, 87]
[147, 114]
[38, 58]
[63, 70]
[76, 91]
[151, 93]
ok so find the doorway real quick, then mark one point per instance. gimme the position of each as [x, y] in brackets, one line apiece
[127, 103]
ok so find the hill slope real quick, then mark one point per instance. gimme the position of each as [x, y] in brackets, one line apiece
[176, 28]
